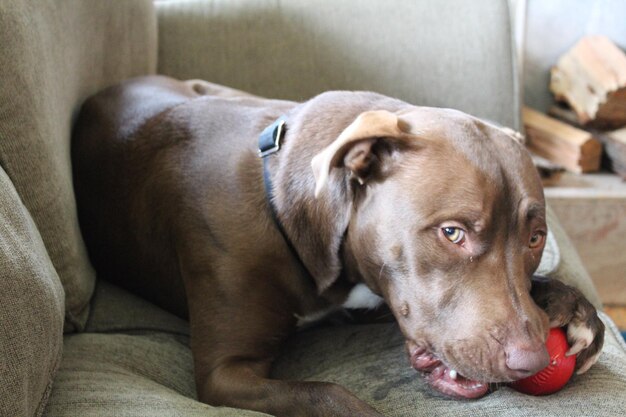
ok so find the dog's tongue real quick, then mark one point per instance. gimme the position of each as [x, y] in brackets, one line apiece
[444, 379]
[448, 382]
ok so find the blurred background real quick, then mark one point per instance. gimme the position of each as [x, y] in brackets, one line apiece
[590, 200]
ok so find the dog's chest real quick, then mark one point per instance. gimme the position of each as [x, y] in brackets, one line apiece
[362, 297]
[359, 297]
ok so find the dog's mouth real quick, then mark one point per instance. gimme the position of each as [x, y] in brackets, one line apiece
[443, 378]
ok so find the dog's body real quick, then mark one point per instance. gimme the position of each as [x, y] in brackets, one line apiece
[371, 192]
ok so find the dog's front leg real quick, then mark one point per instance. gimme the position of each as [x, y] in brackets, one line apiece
[567, 307]
[243, 383]
[236, 335]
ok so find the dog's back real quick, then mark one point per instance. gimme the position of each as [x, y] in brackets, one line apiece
[108, 169]
[129, 145]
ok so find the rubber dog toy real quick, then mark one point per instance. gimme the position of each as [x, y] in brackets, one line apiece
[554, 376]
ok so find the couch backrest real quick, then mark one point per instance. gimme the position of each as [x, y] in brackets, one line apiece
[450, 53]
[53, 55]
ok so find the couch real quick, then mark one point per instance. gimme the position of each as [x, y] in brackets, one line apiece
[72, 344]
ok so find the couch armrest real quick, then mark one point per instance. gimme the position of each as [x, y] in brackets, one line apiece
[32, 304]
[54, 55]
[449, 53]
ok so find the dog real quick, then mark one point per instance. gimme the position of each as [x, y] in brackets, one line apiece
[252, 216]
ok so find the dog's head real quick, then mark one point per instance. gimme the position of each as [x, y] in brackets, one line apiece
[447, 224]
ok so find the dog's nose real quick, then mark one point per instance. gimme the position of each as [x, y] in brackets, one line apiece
[527, 361]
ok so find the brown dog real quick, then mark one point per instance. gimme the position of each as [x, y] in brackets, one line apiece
[435, 212]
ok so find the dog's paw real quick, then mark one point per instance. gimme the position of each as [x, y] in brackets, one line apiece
[567, 307]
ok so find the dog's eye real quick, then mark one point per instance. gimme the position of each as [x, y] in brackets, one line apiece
[536, 240]
[454, 234]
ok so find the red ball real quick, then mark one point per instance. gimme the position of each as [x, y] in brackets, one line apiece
[554, 376]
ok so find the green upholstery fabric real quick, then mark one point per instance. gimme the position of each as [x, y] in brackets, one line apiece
[370, 360]
[128, 375]
[54, 54]
[31, 310]
[438, 53]
[138, 364]
[116, 310]
[149, 372]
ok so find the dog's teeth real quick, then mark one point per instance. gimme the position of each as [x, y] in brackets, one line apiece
[453, 374]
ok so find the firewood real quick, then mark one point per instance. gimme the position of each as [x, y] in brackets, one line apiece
[591, 78]
[614, 142]
[565, 114]
[574, 149]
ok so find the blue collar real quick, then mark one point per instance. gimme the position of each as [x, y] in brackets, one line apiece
[269, 140]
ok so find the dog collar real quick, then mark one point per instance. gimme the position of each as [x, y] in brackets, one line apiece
[269, 143]
[269, 140]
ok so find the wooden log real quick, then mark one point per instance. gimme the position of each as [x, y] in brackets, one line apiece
[591, 78]
[565, 114]
[574, 149]
[614, 142]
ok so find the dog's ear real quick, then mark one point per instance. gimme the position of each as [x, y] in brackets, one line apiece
[353, 148]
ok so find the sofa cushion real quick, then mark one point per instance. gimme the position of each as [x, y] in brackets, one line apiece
[114, 309]
[444, 53]
[133, 360]
[132, 374]
[53, 55]
[31, 310]
[370, 361]
[139, 372]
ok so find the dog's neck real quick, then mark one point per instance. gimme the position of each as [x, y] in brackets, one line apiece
[317, 225]
[269, 143]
